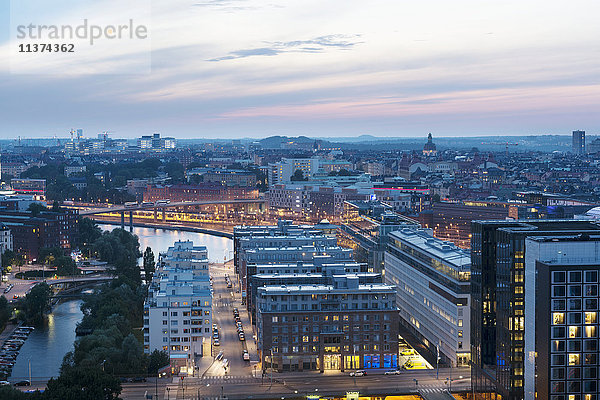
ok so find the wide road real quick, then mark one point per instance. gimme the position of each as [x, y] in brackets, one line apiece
[300, 384]
[224, 300]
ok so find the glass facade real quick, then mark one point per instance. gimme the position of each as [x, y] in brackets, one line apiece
[573, 345]
[498, 303]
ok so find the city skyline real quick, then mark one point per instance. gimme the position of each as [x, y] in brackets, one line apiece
[240, 69]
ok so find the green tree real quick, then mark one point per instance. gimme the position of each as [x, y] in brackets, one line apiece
[157, 360]
[149, 264]
[298, 176]
[90, 383]
[36, 209]
[89, 232]
[37, 302]
[175, 170]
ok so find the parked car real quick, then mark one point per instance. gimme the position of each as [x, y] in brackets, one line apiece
[360, 372]
[23, 383]
[216, 342]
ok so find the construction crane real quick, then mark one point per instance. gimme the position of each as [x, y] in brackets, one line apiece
[506, 144]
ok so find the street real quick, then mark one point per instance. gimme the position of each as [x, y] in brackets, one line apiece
[303, 384]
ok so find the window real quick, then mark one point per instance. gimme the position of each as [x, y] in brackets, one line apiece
[558, 318]
[460, 322]
[574, 290]
[558, 291]
[591, 276]
[590, 317]
[574, 276]
[559, 277]
[460, 333]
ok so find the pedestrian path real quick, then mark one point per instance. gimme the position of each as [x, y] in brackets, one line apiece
[433, 392]
[229, 379]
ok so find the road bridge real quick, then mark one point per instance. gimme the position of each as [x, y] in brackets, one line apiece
[161, 208]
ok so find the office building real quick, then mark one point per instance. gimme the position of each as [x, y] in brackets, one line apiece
[178, 309]
[28, 186]
[198, 192]
[433, 296]
[47, 229]
[340, 326]
[561, 317]
[498, 293]
[579, 142]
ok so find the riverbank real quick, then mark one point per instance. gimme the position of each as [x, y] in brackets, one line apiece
[185, 228]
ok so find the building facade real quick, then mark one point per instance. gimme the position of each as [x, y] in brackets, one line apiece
[178, 309]
[433, 281]
[579, 142]
[561, 317]
[498, 293]
[341, 326]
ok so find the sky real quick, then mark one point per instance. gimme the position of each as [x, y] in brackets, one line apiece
[254, 68]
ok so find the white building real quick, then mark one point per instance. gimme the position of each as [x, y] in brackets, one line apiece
[433, 281]
[282, 171]
[6, 242]
[178, 310]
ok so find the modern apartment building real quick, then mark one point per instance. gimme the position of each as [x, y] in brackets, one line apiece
[433, 296]
[319, 271]
[282, 171]
[498, 297]
[178, 309]
[340, 326]
[273, 237]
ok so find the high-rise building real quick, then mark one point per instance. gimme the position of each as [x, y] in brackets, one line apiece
[178, 309]
[561, 317]
[498, 291]
[579, 142]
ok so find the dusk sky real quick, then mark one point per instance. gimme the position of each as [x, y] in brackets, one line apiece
[245, 68]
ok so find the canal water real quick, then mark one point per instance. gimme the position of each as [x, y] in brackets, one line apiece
[46, 347]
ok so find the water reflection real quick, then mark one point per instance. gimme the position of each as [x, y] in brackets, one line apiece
[46, 346]
[159, 240]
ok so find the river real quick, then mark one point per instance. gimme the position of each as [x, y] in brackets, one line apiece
[47, 346]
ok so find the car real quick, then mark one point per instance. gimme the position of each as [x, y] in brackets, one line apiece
[392, 372]
[23, 383]
[216, 342]
[360, 372]
[4, 383]
[246, 355]
[139, 379]
[242, 337]
[408, 352]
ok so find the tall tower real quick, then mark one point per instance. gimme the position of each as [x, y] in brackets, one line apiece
[579, 142]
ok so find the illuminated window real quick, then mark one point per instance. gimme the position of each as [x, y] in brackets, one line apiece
[558, 318]
[590, 317]
[574, 359]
